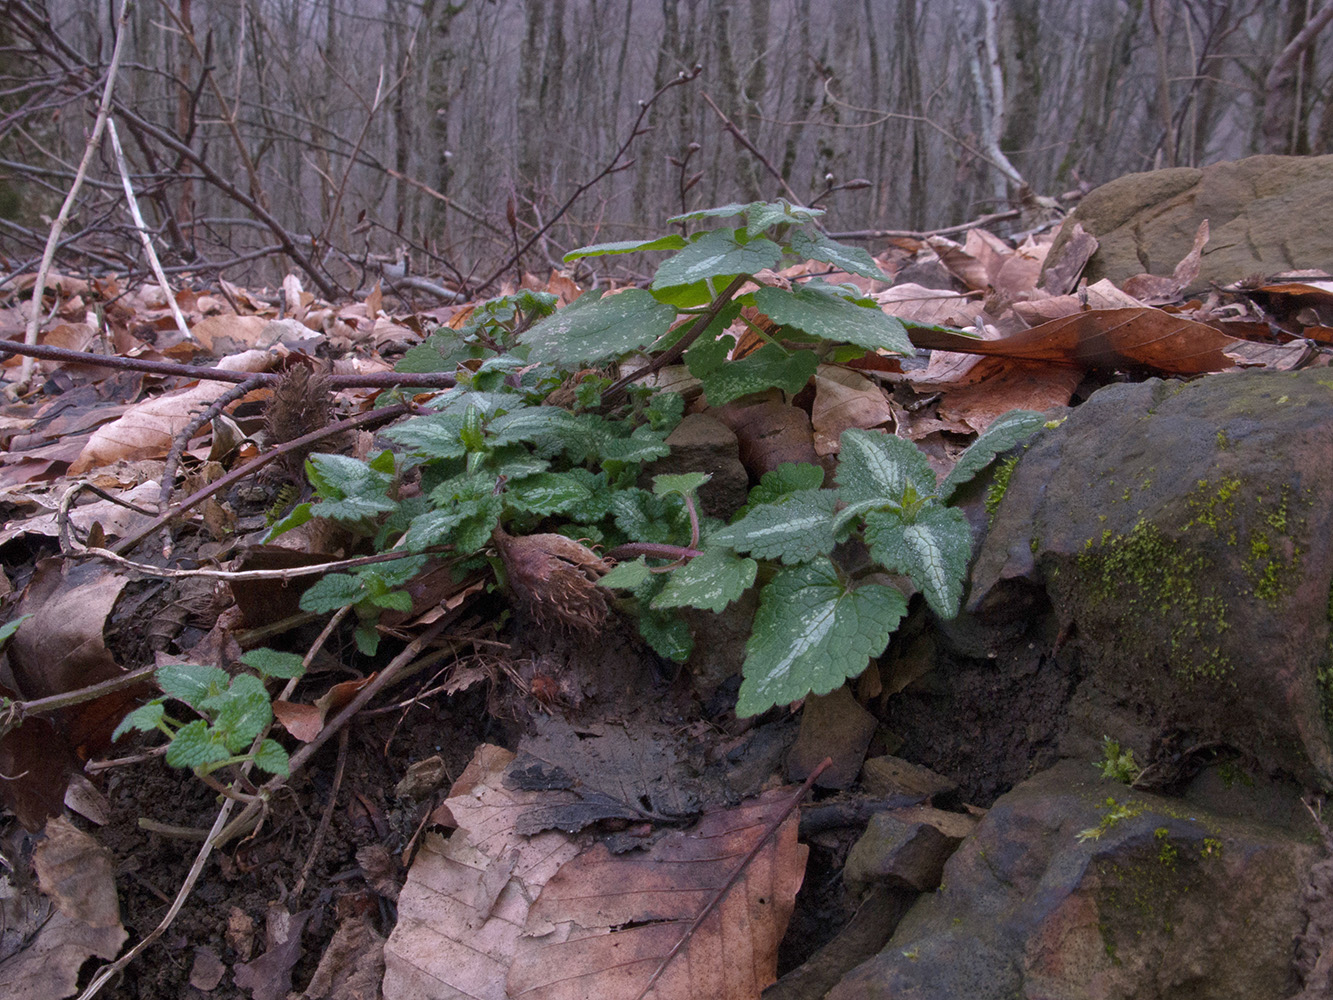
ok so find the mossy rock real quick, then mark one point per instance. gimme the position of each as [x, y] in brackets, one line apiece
[1184, 533]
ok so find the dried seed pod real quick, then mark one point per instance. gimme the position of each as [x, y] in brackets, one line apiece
[555, 578]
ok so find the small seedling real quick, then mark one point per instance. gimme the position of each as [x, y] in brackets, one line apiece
[1117, 764]
[233, 711]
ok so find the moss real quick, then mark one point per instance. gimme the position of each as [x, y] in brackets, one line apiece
[1147, 574]
[1000, 484]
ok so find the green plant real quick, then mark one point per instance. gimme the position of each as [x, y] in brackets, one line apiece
[233, 711]
[510, 483]
[1118, 764]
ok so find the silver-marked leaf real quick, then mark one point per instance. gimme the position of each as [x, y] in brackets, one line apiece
[767, 367]
[672, 241]
[720, 212]
[874, 466]
[811, 634]
[933, 550]
[577, 492]
[714, 255]
[680, 482]
[594, 328]
[796, 530]
[1003, 433]
[436, 435]
[828, 315]
[667, 633]
[710, 581]
[853, 260]
[760, 215]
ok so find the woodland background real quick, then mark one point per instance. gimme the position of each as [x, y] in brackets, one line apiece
[333, 134]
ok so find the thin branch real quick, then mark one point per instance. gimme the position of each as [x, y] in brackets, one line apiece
[58, 227]
[740, 137]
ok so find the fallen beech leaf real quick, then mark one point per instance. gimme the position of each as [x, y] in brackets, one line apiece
[147, 429]
[352, 965]
[305, 721]
[229, 333]
[76, 874]
[1152, 289]
[844, 399]
[929, 306]
[1112, 338]
[269, 976]
[1062, 272]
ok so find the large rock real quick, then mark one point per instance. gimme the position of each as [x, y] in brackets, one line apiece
[1258, 210]
[1184, 534]
[1075, 887]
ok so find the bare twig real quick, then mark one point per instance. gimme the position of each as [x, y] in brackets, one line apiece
[615, 166]
[921, 234]
[312, 852]
[238, 575]
[58, 227]
[370, 380]
[741, 138]
[182, 440]
[141, 228]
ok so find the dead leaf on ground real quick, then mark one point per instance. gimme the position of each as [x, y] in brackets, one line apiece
[1115, 338]
[1154, 290]
[75, 872]
[844, 399]
[352, 965]
[269, 976]
[929, 306]
[147, 429]
[1061, 275]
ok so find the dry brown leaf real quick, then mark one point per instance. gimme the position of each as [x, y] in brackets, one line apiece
[1008, 385]
[1112, 338]
[147, 429]
[930, 306]
[1018, 274]
[614, 919]
[269, 976]
[76, 874]
[229, 333]
[352, 965]
[844, 399]
[1062, 273]
[1152, 289]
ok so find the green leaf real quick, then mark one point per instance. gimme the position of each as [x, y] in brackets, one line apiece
[672, 241]
[394, 600]
[271, 663]
[145, 719]
[577, 492]
[626, 575]
[708, 354]
[874, 466]
[716, 254]
[271, 757]
[596, 327]
[767, 367]
[195, 745]
[934, 550]
[682, 482]
[349, 488]
[367, 639]
[853, 260]
[710, 581]
[811, 634]
[667, 633]
[796, 530]
[9, 628]
[300, 514]
[644, 517]
[829, 316]
[331, 592]
[192, 683]
[665, 411]
[436, 435]
[1003, 433]
[466, 525]
[244, 714]
[787, 478]
[762, 215]
[720, 212]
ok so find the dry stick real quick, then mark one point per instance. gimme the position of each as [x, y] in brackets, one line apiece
[58, 227]
[322, 831]
[615, 166]
[617, 388]
[182, 440]
[141, 228]
[237, 575]
[921, 234]
[255, 464]
[369, 380]
[740, 137]
[721, 894]
[15, 712]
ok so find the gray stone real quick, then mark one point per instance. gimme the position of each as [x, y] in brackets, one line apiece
[702, 443]
[833, 726]
[1184, 534]
[906, 848]
[1258, 209]
[1078, 888]
[885, 776]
